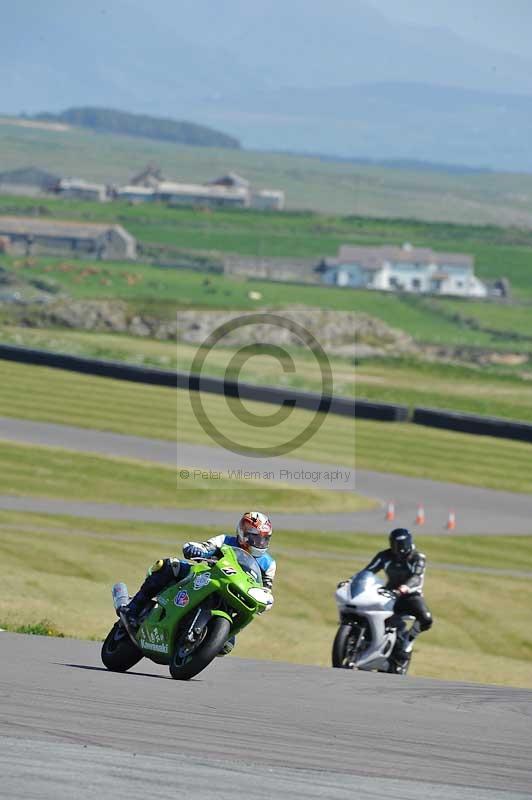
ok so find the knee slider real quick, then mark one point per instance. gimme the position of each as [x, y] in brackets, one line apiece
[156, 567]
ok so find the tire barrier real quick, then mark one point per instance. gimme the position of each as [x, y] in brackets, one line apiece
[384, 412]
[313, 401]
[470, 423]
[88, 366]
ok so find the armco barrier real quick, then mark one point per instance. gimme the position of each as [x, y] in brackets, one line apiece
[470, 423]
[88, 366]
[385, 412]
[343, 406]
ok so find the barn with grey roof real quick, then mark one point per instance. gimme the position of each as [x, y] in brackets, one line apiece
[31, 236]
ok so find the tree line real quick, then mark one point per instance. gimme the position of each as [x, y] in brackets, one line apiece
[107, 120]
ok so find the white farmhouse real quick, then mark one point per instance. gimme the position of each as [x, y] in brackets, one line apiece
[403, 269]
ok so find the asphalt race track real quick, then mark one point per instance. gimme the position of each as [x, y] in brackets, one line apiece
[478, 511]
[69, 728]
[257, 729]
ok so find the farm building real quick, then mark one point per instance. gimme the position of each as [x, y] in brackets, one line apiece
[199, 194]
[28, 181]
[81, 190]
[405, 269]
[149, 177]
[228, 191]
[54, 237]
[134, 193]
[268, 199]
[272, 199]
[232, 181]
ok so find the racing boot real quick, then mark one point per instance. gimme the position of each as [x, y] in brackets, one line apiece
[131, 612]
[401, 654]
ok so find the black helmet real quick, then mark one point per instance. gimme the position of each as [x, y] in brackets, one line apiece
[401, 543]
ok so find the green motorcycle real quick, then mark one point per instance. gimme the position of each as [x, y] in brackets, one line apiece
[190, 621]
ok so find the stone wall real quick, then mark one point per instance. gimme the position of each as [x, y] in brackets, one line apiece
[299, 270]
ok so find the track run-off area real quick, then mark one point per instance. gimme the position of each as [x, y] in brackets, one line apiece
[263, 729]
[69, 728]
[477, 510]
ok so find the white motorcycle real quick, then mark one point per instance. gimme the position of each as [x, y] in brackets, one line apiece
[369, 629]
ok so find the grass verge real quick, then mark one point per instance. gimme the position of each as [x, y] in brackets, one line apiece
[42, 628]
[73, 565]
[53, 472]
[492, 391]
[53, 395]
[307, 234]
[162, 291]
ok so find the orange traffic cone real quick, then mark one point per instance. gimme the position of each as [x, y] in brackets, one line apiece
[420, 516]
[390, 511]
[451, 521]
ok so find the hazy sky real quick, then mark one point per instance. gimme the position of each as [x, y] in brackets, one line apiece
[503, 24]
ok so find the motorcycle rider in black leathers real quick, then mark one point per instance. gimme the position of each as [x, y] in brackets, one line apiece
[405, 570]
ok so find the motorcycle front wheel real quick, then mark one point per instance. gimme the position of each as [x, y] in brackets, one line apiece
[345, 648]
[118, 651]
[185, 663]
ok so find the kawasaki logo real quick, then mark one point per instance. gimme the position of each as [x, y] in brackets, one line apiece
[159, 648]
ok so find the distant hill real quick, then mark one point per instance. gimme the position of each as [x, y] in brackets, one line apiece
[331, 77]
[384, 122]
[107, 120]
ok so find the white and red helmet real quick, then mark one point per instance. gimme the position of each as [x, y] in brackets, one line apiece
[254, 532]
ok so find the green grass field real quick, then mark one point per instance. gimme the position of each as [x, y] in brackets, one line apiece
[498, 251]
[503, 320]
[58, 570]
[340, 188]
[57, 396]
[161, 292]
[28, 470]
[494, 391]
[473, 638]
[485, 391]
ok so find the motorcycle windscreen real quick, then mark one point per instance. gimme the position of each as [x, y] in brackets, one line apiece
[363, 581]
[248, 564]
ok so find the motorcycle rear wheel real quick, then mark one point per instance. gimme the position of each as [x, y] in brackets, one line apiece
[118, 651]
[217, 633]
[342, 654]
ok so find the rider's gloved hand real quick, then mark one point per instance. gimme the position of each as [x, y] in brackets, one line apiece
[401, 591]
[270, 604]
[193, 551]
[269, 601]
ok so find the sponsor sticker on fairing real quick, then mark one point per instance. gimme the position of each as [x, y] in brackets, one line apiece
[158, 648]
[202, 580]
[229, 571]
[182, 598]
